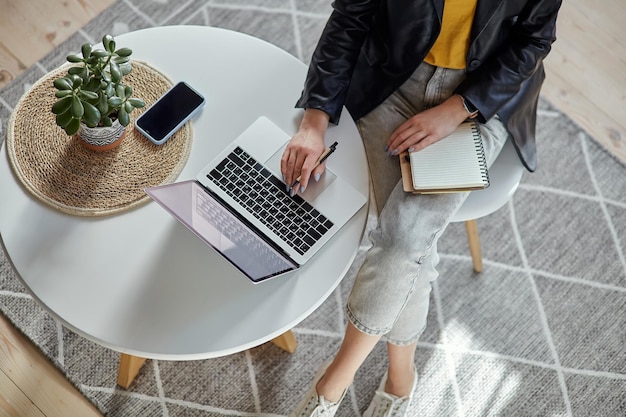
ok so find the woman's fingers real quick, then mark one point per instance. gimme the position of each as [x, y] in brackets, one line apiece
[303, 150]
[408, 135]
[293, 160]
[299, 160]
[317, 172]
[427, 127]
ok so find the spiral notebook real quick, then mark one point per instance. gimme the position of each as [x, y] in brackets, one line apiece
[455, 163]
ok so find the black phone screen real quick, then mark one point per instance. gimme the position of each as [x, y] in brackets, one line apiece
[170, 111]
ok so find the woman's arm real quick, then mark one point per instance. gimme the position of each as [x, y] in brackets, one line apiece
[499, 78]
[490, 86]
[325, 87]
[304, 149]
[335, 56]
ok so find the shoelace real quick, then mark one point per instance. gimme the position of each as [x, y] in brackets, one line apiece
[392, 406]
[321, 407]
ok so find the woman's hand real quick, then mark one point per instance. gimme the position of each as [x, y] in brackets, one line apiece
[304, 149]
[428, 127]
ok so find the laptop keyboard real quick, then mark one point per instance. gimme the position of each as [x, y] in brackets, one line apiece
[263, 194]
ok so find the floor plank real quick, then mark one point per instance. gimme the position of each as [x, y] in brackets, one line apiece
[13, 402]
[29, 381]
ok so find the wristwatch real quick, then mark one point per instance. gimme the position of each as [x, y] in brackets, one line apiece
[469, 107]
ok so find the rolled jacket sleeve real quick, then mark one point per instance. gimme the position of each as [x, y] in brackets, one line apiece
[335, 56]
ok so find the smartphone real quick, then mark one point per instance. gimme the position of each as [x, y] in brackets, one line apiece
[163, 118]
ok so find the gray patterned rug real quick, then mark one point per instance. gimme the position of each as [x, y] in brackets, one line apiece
[540, 332]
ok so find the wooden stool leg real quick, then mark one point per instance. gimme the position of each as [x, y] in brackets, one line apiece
[474, 244]
[286, 341]
[128, 370]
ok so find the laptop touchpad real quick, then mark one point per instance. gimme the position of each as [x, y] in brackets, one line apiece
[313, 189]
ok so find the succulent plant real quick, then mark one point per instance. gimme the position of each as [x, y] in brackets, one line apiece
[92, 91]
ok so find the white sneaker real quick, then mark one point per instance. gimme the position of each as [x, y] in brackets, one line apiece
[314, 405]
[387, 405]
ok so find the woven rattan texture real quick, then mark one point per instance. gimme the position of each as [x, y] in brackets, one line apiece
[62, 173]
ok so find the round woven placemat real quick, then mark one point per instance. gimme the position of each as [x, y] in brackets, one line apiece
[61, 172]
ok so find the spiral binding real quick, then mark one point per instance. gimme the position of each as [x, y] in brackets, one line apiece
[480, 150]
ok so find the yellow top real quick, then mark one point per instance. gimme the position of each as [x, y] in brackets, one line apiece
[450, 49]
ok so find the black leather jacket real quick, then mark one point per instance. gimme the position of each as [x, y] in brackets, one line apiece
[370, 47]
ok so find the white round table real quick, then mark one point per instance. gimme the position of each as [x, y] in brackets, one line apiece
[154, 290]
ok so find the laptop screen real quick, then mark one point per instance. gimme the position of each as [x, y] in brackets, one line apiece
[225, 232]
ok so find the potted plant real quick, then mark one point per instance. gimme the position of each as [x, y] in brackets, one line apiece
[91, 97]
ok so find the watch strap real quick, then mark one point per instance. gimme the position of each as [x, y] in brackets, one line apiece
[469, 107]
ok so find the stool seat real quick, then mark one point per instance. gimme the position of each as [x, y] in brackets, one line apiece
[504, 176]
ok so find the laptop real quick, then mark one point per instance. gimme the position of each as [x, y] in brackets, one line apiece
[239, 206]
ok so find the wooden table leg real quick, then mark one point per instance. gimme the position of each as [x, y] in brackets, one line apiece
[474, 244]
[130, 365]
[128, 370]
[286, 341]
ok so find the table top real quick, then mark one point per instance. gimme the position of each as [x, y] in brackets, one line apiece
[138, 282]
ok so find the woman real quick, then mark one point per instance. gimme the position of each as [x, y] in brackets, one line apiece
[410, 73]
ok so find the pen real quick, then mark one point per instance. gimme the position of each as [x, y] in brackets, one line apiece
[322, 158]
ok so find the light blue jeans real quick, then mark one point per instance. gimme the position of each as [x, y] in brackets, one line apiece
[390, 296]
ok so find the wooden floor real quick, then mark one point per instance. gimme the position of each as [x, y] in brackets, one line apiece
[586, 71]
[586, 80]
